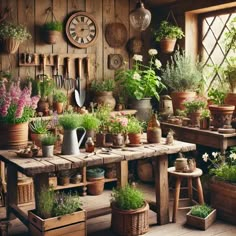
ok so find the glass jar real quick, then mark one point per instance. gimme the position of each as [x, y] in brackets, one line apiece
[89, 145]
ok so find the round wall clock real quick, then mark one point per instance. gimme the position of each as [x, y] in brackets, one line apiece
[81, 29]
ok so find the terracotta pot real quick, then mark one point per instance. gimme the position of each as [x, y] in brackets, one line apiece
[195, 118]
[105, 98]
[205, 123]
[134, 138]
[58, 107]
[230, 99]
[51, 36]
[10, 45]
[179, 97]
[167, 45]
[100, 139]
[221, 115]
[13, 136]
[97, 187]
[36, 138]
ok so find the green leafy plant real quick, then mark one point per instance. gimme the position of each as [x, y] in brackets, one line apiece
[53, 25]
[16, 31]
[201, 211]
[59, 96]
[141, 81]
[216, 96]
[48, 139]
[205, 114]
[127, 198]
[194, 105]
[70, 121]
[90, 121]
[168, 31]
[102, 86]
[230, 36]
[95, 172]
[182, 73]
[39, 126]
[134, 125]
[118, 123]
[103, 115]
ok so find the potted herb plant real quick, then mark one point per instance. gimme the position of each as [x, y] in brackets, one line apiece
[59, 99]
[95, 177]
[140, 83]
[11, 35]
[47, 141]
[205, 119]
[167, 34]
[103, 91]
[134, 130]
[129, 211]
[193, 109]
[183, 76]
[70, 123]
[222, 169]
[57, 213]
[52, 30]
[38, 128]
[201, 216]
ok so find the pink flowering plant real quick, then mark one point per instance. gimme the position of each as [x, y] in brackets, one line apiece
[222, 166]
[16, 104]
[141, 81]
[118, 123]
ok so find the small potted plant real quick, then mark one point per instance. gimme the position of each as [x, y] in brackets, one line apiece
[52, 31]
[201, 216]
[129, 211]
[205, 119]
[57, 212]
[193, 109]
[38, 127]
[47, 142]
[11, 35]
[95, 175]
[134, 130]
[59, 99]
[103, 91]
[167, 34]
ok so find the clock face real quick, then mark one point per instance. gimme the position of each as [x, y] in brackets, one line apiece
[81, 29]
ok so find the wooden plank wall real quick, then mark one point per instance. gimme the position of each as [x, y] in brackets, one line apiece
[32, 13]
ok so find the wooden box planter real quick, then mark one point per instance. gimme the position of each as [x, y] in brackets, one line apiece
[70, 224]
[201, 223]
[223, 199]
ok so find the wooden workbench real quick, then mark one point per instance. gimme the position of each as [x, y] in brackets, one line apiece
[207, 138]
[39, 169]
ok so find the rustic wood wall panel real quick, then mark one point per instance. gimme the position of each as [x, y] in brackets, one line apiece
[32, 13]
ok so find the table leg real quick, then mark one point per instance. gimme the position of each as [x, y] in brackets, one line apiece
[11, 190]
[122, 173]
[162, 189]
[40, 181]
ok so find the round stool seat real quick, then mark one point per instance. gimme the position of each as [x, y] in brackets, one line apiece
[196, 173]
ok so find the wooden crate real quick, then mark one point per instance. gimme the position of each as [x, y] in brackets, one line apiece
[67, 225]
[201, 223]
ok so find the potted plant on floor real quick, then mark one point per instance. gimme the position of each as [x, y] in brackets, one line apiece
[140, 83]
[11, 35]
[57, 213]
[59, 99]
[52, 31]
[129, 211]
[103, 92]
[47, 141]
[38, 128]
[201, 216]
[134, 130]
[183, 77]
[222, 169]
[167, 34]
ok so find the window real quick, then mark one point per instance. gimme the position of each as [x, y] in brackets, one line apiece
[213, 53]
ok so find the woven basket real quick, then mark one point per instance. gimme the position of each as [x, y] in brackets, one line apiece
[130, 222]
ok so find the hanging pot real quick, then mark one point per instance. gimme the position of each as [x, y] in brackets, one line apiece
[51, 36]
[167, 45]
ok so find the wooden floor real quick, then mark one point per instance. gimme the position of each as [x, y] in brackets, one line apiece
[100, 226]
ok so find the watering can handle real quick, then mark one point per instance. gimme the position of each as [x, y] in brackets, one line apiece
[82, 137]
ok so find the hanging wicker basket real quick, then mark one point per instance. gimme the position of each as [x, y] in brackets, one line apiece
[130, 222]
[10, 45]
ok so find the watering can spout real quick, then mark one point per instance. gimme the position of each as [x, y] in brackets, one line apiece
[82, 137]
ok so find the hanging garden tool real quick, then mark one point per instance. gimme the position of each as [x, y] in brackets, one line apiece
[57, 78]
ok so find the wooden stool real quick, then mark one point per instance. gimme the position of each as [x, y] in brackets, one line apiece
[190, 176]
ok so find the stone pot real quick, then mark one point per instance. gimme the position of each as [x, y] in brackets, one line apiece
[105, 98]
[47, 151]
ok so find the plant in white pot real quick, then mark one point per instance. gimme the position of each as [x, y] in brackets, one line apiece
[47, 141]
[11, 35]
[201, 216]
[167, 34]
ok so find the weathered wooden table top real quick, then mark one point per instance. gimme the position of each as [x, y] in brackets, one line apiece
[37, 165]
